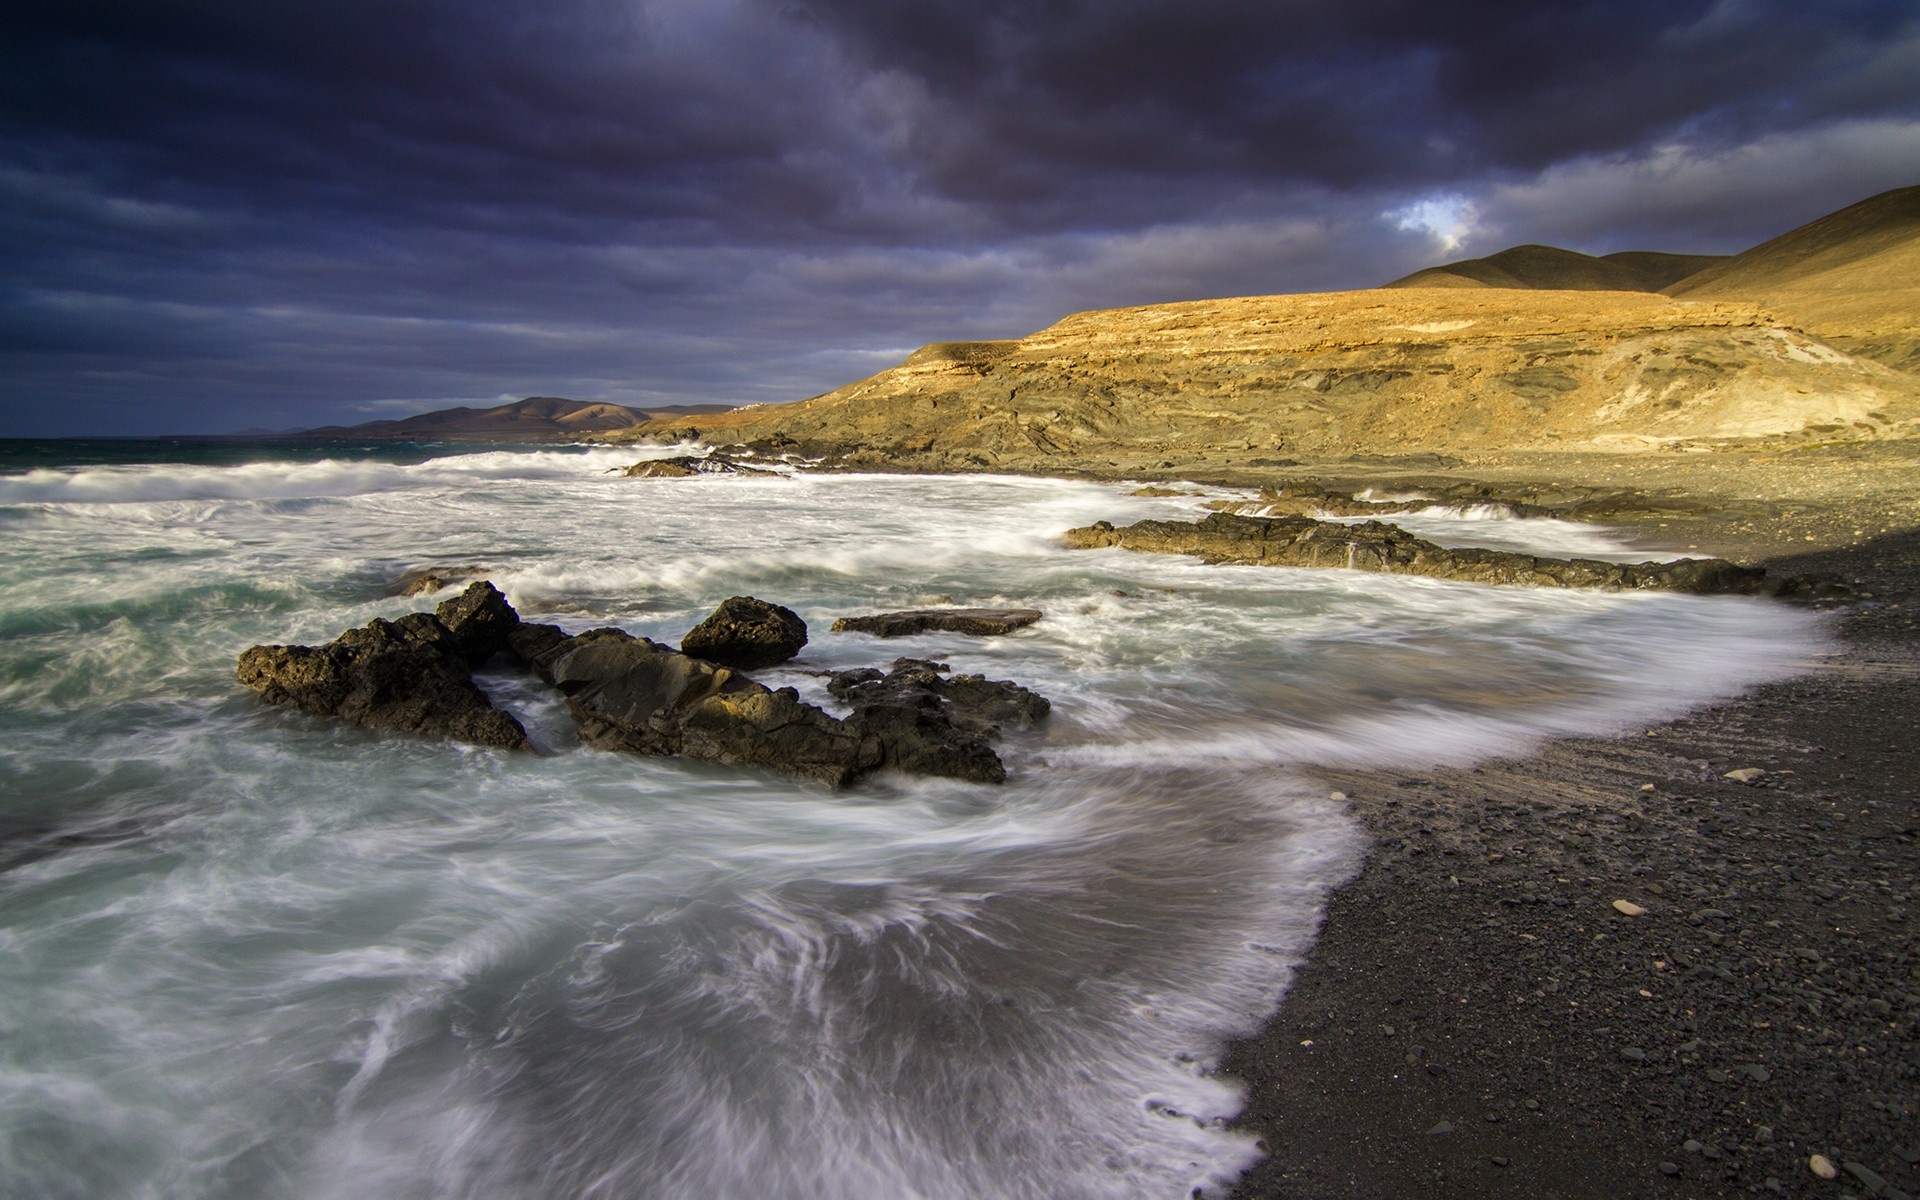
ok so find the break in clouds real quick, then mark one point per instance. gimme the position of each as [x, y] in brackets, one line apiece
[223, 215]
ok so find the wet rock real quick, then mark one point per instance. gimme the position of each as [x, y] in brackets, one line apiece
[409, 675]
[480, 621]
[976, 622]
[1823, 1167]
[422, 580]
[682, 466]
[636, 695]
[748, 634]
[1745, 775]
[1299, 541]
[1628, 908]
[536, 645]
[754, 727]
[919, 718]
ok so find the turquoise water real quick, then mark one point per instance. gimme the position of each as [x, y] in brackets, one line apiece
[251, 953]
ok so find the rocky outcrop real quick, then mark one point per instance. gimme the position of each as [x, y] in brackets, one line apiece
[748, 634]
[632, 694]
[684, 465]
[919, 719]
[975, 622]
[479, 620]
[1289, 541]
[409, 676]
[636, 695]
[639, 696]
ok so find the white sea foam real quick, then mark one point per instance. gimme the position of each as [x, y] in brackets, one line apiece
[250, 953]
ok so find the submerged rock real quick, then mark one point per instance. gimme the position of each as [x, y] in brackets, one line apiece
[747, 633]
[1295, 541]
[977, 622]
[422, 580]
[685, 465]
[409, 675]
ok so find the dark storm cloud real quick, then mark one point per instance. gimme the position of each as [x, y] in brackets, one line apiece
[220, 214]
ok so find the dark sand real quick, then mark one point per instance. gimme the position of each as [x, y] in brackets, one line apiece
[1478, 1020]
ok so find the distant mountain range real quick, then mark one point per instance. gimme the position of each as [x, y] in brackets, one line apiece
[536, 418]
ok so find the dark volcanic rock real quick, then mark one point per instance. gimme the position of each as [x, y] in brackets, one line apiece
[918, 719]
[751, 726]
[637, 695]
[480, 621]
[640, 696]
[422, 580]
[1292, 541]
[979, 622]
[690, 464]
[747, 633]
[409, 675]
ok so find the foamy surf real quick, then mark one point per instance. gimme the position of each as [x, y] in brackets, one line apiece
[254, 954]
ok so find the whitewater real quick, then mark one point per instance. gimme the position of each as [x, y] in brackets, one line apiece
[250, 953]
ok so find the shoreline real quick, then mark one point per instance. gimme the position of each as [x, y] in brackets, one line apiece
[1476, 1019]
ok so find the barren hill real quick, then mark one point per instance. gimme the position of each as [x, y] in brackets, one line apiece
[1337, 374]
[1551, 267]
[534, 417]
[1852, 278]
[1778, 344]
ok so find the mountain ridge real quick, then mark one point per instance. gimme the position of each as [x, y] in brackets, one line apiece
[1451, 370]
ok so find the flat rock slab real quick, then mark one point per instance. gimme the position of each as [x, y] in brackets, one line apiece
[1296, 541]
[688, 465]
[978, 622]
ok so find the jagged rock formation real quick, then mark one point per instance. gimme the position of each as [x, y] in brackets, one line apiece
[1295, 541]
[917, 718]
[975, 622]
[412, 675]
[748, 634]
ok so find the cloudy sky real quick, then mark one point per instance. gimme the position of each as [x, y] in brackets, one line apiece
[217, 214]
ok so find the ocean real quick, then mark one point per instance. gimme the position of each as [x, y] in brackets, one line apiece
[250, 953]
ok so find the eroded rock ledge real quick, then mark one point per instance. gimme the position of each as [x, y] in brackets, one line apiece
[632, 694]
[1298, 541]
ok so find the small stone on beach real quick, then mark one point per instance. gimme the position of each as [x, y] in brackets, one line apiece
[1823, 1166]
[1744, 775]
[1628, 908]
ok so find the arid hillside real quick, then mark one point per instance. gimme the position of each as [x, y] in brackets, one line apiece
[1553, 268]
[1852, 278]
[1456, 369]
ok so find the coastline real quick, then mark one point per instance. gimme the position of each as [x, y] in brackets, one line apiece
[1476, 1018]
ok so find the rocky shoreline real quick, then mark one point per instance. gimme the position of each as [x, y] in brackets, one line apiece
[1479, 1018]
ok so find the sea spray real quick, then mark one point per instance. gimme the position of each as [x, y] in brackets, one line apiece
[251, 953]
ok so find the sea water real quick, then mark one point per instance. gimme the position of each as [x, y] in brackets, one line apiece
[246, 952]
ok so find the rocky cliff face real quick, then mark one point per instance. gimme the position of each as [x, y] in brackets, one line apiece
[1394, 371]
